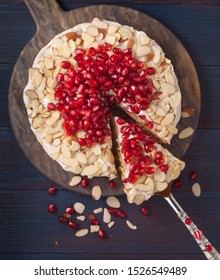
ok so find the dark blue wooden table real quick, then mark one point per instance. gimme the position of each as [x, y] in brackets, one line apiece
[28, 231]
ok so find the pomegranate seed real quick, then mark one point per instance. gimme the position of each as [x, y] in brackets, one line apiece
[150, 124]
[82, 141]
[70, 210]
[112, 184]
[72, 224]
[52, 190]
[208, 248]
[101, 233]
[188, 221]
[178, 183]
[121, 213]
[65, 64]
[144, 211]
[84, 183]
[112, 211]
[63, 219]
[164, 168]
[51, 106]
[94, 222]
[193, 175]
[92, 51]
[150, 170]
[60, 77]
[52, 208]
[150, 71]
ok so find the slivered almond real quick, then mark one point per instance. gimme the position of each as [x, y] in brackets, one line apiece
[99, 24]
[130, 44]
[175, 172]
[76, 168]
[172, 129]
[72, 36]
[31, 94]
[125, 32]
[81, 218]
[52, 118]
[144, 39]
[130, 225]
[68, 161]
[112, 201]
[56, 142]
[96, 149]
[175, 100]
[38, 121]
[139, 198]
[196, 189]
[110, 39]
[87, 39]
[168, 119]
[92, 31]
[74, 146]
[160, 186]
[187, 112]
[65, 151]
[111, 224]
[98, 210]
[106, 216]
[64, 50]
[75, 181]
[112, 29]
[185, 133]
[169, 78]
[51, 82]
[89, 170]
[94, 228]
[149, 56]
[96, 192]
[143, 50]
[79, 207]
[48, 62]
[35, 77]
[157, 57]
[81, 157]
[82, 232]
[168, 88]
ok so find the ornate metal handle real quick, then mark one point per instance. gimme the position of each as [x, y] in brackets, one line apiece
[210, 252]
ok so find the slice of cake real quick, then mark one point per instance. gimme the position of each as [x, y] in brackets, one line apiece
[146, 167]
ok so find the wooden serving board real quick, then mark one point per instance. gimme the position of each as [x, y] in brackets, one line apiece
[51, 20]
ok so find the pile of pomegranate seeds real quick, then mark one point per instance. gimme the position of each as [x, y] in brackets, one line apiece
[137, 148]
[102, 77]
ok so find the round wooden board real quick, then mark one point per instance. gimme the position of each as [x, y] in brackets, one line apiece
[52, 21]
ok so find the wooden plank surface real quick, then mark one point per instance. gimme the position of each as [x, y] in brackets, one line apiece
[28, 232]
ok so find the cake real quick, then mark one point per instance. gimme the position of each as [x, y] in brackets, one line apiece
[82, 73]
[146, 167]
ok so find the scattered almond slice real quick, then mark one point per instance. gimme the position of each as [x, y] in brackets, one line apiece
[94, 228]
[96, 192]
[75, 181]
[130, 225]
[82, 232]
[98, 210]
[187, 112]
[89, 170]
[79, 207]
[112, 201]
[185, 133]
[81, 218]
[111, 224]
[106, 216]
[196, 189]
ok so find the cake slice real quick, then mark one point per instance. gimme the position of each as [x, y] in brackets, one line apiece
[146, 167]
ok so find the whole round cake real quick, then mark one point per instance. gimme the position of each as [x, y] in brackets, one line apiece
[78, 78]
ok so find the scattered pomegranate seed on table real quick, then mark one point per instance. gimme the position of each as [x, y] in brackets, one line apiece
[145, 211]
[84, 183]
[178, 183]
[101, 233]
[112, 184]
[72, 224]
[193, 175]
[52, 208]
[52, 190]
[70, 210]
[63, 219]
[121, 213]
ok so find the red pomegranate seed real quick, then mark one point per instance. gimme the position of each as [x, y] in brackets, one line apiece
[208, 248]
[72, 224]
[164, 168]
[112, 184]
[84, 183]
[52, 208]
[150, 71]
[65, 64]
[101, 233]
[52, 190]
[94, 222]
[193, 175]
[121, 213]
[63, 219]
[112, 211]
[150, 124]
[144, 211]
[178, 183]
[51, 106]
[150, 170]
[70, 210]
[188, 221]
